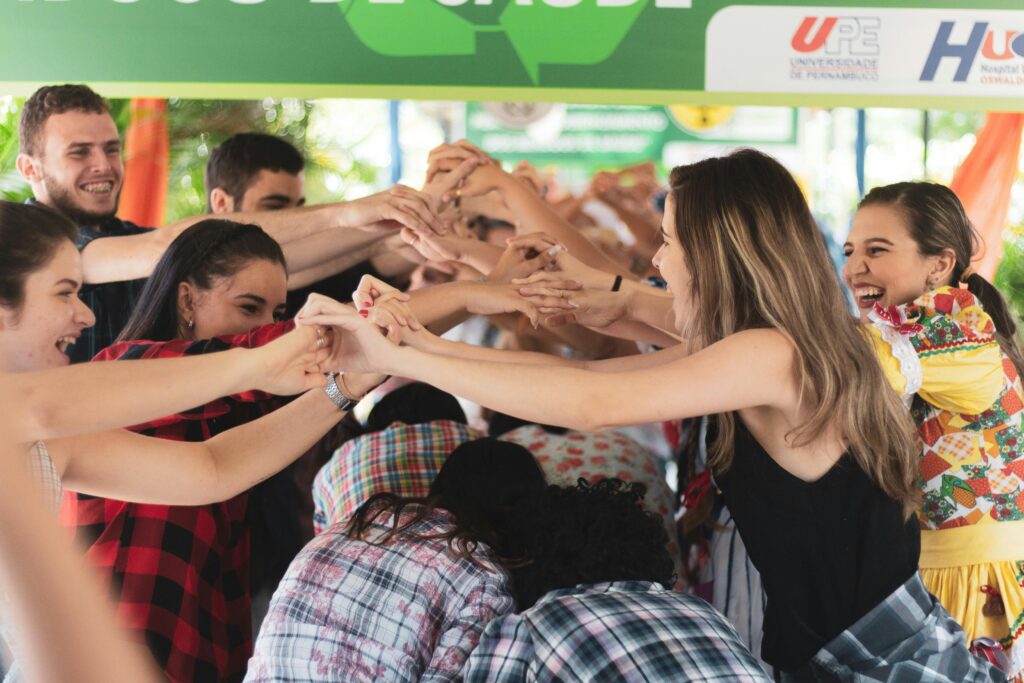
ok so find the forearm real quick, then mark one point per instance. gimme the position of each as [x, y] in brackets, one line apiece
[593, 343]
[444, 347]
[99, 396]
[133, 257]
[247, 455]
[550, 392]
[325, 253]
[534, 212]
[66, 629]
[441, 302]
[297, 279]
[651, 306]
[638, 332]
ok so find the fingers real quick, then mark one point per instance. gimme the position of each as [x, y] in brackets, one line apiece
[538, 242]
[550, 292]
[429, 247]
[452, 179]
[370, 289]
[411, 209]
[344, 322]
[318, 304]
[552, 303]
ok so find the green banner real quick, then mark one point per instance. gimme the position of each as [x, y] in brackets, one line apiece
[602, 136]
[934, 53]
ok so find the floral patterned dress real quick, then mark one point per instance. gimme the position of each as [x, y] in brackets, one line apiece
[967, 400]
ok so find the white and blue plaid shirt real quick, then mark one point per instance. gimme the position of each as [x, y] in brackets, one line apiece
[406, 611]
[620, 631]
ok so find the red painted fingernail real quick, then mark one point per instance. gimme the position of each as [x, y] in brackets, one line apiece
[364, 313]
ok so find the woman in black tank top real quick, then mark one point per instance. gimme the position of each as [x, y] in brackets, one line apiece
[769, 344]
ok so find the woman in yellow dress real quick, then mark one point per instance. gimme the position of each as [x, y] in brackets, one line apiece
[945, 338]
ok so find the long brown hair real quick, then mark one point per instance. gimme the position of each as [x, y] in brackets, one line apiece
[936, 221]
[757, 260]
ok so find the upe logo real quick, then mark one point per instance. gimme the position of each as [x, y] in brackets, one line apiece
[838, 36]
[981, 40]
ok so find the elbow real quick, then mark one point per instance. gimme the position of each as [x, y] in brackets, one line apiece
[592, 416]
[34, 419]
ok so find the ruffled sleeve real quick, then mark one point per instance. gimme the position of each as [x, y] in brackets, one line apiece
[941, 347]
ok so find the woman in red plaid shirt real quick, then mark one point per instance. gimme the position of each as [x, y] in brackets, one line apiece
[40, 316]
[181, 572]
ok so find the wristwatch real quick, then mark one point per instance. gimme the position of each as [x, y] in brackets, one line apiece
[333, 392]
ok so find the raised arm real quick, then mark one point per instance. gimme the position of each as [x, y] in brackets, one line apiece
[310, 235]
[99, 396]
[720, 378]
[128, 466]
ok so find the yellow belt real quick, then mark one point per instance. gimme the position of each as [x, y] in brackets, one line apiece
[975, 544]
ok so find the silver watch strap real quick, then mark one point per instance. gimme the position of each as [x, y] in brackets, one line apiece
[333, 392]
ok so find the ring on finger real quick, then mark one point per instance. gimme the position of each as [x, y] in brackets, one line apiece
[321, 341]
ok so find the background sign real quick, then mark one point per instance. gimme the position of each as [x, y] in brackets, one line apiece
[929, 53]
[615, 136]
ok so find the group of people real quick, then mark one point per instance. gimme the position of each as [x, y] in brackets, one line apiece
[870, 458]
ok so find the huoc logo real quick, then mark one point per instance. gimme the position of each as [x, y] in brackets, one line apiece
[981, 39]
[838, 35]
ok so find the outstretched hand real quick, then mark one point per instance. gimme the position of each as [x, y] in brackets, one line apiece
[291, 363]
[571, 268]
[358, 344]
[583, 306]
[397, 207]
[524, 256]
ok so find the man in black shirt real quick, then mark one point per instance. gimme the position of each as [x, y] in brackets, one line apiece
[71, 156]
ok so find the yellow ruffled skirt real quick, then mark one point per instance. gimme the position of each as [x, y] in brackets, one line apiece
[977, 573]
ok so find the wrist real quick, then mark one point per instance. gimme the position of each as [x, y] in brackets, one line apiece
[357, 385]
[629, 293]
[249, 370]
[344, 214]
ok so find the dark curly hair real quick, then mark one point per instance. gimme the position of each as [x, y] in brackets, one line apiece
[587, 534]
[482, 483]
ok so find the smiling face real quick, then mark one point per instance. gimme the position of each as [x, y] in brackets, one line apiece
[885, 265]
[254, 296]
[51, 317]
[671, 264]
[78, 170]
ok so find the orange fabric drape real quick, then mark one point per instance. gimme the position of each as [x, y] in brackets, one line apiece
[147, 163]
[983, 184]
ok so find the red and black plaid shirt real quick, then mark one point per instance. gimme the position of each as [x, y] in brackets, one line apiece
[180, 574]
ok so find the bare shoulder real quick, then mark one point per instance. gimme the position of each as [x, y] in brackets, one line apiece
[766, 346]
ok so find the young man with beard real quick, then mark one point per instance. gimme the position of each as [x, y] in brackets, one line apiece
[71, 156]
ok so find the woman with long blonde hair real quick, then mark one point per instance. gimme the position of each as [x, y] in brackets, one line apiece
[815, 453]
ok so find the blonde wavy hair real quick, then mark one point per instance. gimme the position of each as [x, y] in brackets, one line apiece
[757, 260]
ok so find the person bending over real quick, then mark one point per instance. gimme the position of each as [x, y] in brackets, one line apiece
[595, 601]
[402, 591]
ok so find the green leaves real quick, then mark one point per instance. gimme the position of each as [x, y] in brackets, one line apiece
[566, 32]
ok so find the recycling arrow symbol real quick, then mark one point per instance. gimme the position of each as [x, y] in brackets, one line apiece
[572, 32]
